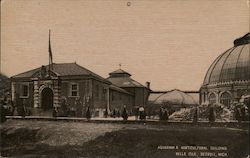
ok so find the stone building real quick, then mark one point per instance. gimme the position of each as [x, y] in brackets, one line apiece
[228, 77]
[44, 88]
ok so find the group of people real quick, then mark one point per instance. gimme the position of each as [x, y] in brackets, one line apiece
[116, 113]
[239, 110]
[139, 113]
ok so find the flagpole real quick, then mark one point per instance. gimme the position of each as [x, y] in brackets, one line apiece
[49, 50]
[50, 54]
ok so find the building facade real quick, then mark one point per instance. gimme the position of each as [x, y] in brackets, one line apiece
[122, 79]
[228, 78]
[45, 88]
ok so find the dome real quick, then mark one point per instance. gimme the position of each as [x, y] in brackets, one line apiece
[232, 65]
[175, 97]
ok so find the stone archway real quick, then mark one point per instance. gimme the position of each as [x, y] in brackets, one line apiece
[47, 97]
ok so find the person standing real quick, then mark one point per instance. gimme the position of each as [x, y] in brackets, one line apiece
[141, 113]
[165, 115]
[106, 113]
[161, 113]
[114, 113]
[88, 114]
[125, 113]
[55, 112]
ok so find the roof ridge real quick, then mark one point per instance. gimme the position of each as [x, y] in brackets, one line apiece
[90, 72]
[35, 69]
[115, 86]
[26, 72]
[63, 63]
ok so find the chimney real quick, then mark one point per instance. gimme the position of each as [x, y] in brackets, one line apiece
[148, 85]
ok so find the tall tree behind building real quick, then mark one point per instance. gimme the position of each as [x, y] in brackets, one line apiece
[4, 85]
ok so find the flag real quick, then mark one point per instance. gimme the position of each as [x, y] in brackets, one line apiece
[50, 54]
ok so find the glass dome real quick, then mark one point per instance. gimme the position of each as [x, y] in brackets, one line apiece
[232, 65]
[174, 97]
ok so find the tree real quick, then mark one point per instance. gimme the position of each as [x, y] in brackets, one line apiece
[4, 85]
[3, 113]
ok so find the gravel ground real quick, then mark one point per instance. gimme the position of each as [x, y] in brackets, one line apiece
[26, 138]
[61, 133]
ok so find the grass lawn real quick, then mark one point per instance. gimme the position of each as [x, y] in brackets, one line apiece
[68, 139]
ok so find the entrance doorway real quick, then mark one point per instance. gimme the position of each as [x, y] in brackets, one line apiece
[47, 99]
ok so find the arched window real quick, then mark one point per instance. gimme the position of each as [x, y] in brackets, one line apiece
[225, 99]
[212, 98]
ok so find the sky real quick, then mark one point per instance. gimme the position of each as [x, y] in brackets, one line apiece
[170, 43]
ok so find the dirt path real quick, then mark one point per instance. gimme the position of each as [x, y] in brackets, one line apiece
[70, 139]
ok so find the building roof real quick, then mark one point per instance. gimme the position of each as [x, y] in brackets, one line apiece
[175, 97]
[232, 65]
[124, 82]
[62, 69]
[116, 88]
[122, 78]
[119, 73]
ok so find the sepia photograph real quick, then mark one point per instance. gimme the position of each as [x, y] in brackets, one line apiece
[125, 78]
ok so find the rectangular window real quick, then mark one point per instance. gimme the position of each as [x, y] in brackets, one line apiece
[74, 91]
[24, 91]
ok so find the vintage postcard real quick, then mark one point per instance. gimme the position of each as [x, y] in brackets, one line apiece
[125, 78]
